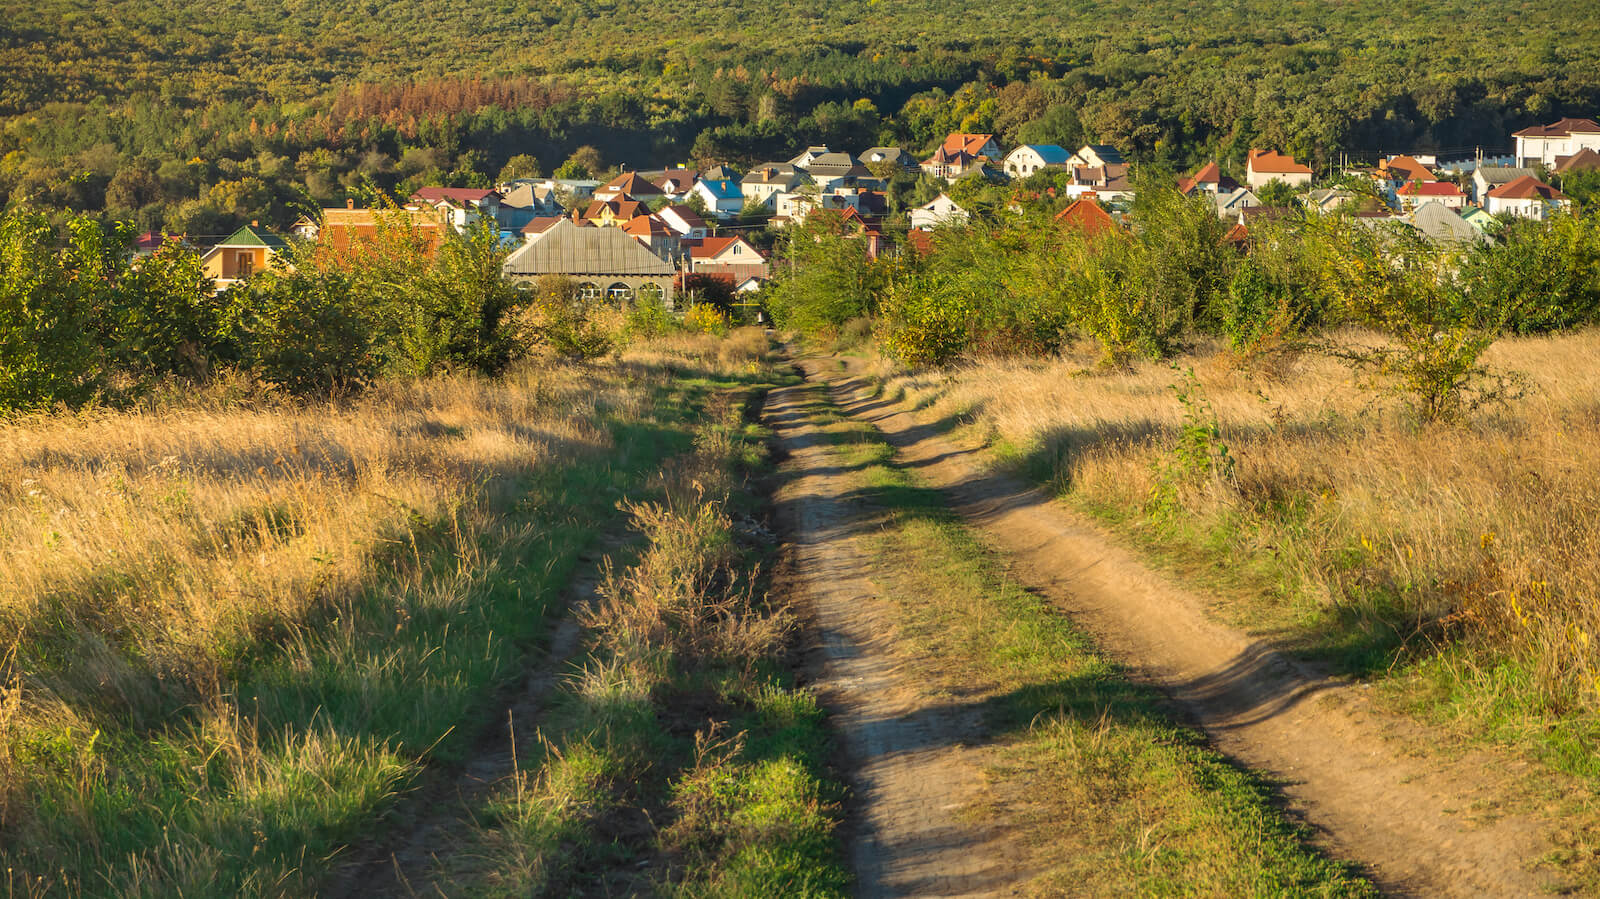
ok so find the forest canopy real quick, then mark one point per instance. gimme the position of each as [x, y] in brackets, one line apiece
[197, 117]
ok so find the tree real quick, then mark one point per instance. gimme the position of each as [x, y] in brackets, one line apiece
[1276, 192]
[519, 166]
[825, 277]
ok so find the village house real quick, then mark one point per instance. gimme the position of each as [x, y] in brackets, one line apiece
[1087, 218]
[615, 212]
[831, 171]
[525, 200]
[732, 256]
[675, 184]
[722, 197]
[540, 226]
[1108, 182]
[941, 210]
[632, 185]
[1030, 159]
[1397, 171]
[1209, 179]
[249, 250]
[1441, 224]
[685, 222]
[1328, 199]
[462, 207]
[605, 262]
[1096, 156]
[973, 145]
[1417, 193]
[1528, 198]
[767, 180]
[341, 227]
[654, 235]
[891, 156]
[1232, 204]
[1543, 144]
[950, 165]
[810, 155]
[1585, 160]
[1487, 178]
[1262, 167]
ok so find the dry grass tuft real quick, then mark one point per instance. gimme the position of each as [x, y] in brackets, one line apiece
[1489, 531]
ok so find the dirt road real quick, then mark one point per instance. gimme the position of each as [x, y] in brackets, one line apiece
[1420, 827]
[909, 768]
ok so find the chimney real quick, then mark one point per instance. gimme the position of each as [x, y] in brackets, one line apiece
[254, 223]
[350, 203]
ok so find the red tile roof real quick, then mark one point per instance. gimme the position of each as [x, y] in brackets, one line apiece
[971, 144]
[1582, 161]
[1430, 189]
[1208, 174]
[540, 224]
[1560, 128]
[620, 208]
[707, 247]
[1526, 188]
[1273, 162]
[648, 226]
[1086, 216]
[1237, 235]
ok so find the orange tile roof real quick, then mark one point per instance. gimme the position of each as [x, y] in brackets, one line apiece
[1086, 216]
[1273, 162]
[971, 144]
[1407, 168]
[631, 184]
[1430, 189]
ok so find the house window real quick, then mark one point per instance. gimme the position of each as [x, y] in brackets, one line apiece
[244, 263]
[588, 291]
[651, 292]
[619, 293]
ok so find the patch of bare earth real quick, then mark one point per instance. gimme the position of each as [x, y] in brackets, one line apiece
[1419, 823]
[909, 757]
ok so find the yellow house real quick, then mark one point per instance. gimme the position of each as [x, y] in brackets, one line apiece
[247, 251]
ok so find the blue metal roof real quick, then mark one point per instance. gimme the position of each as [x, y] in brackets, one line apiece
[724, 190]
[1050, 153]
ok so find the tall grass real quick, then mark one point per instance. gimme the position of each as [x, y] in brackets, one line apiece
[1468, 555]
[234, 627]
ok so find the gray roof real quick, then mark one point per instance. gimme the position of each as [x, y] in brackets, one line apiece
[1495, 174]
[1106, 152]
[774, 173]
[889, 154]
[567, 249]
[1440, 223]
[720, 173]
[837, 165]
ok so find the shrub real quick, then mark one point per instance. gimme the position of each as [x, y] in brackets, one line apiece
[706, 318]
[304, 332]
[53, 303]
[926, 320]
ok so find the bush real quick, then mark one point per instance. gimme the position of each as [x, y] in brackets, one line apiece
[304, 332]
[927, 320]
[706, 318]
[53, 304]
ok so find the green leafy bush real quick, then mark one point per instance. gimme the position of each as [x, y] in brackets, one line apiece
[53, 300]
[306, 332]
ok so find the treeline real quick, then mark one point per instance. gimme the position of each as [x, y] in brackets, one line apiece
[1025, 283]
[196, 119]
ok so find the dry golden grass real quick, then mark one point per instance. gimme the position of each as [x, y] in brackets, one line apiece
[1490, 530]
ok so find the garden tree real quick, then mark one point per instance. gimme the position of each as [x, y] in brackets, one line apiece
[521, 165]
[1276, 192]
[304, 331]
[1394, 281]
[1184, 263]
[1542, 276]
[53, 299]
[553, 316]
[823, 277]
[1583, 188]
[166, 316]
[1101, 282]
[585, 162]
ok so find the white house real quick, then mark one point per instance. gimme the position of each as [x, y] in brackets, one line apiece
[1488, 177]
[941, 210]
[1265, 166]
[1030, 159]
[1526, 197]
[733, 256]
[972, 145]
[722, 198]
[1231, 203]
[684, 221]
[1444, 193]
[460, 206]
[1096, 156]
[769, 179]
[1541, 144]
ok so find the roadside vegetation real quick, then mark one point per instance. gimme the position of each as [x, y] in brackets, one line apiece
[243, 614]
[1380, 449]
[1108, 796]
